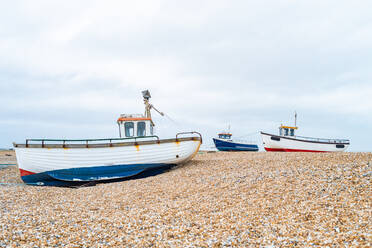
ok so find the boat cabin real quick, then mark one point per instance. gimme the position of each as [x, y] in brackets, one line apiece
[287, 130]
[135, 125]
[224, 135]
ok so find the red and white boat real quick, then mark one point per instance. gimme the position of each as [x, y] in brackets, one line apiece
[287, 141]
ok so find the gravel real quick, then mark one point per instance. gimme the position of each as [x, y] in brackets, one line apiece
[216, 200]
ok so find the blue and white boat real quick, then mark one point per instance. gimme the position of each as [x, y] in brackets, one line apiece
[53, 162]
[225, 143]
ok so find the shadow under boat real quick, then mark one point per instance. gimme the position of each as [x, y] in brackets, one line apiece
[145, 174]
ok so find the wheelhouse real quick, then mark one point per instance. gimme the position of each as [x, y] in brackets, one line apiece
[132, 125]
[224, 135]
[287, 130]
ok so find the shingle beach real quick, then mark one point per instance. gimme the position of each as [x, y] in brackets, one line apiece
[216, 200]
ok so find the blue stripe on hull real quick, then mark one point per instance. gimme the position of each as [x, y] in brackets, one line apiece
[78, 176]
[233, 146]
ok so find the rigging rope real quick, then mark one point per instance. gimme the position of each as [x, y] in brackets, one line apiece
[171, 119]
[248, 135]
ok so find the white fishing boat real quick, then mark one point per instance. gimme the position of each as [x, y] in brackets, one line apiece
[66, 162]
[287, 141]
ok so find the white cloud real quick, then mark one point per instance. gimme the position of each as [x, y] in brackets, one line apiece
[208, 63]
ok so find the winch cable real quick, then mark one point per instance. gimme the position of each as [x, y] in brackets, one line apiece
[171, 119]
[249, 135]
[254, 136]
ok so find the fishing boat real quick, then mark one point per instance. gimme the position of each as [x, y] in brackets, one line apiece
[287, 141]
[225, 143]
[60, 162]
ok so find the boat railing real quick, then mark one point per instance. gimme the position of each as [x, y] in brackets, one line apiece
[189, 133]
[245, 141]
[336, 141]
[88, 142]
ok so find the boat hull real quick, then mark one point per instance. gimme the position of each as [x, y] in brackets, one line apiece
[275, 143]
[69, 166]
[223, 145]
[78, 176]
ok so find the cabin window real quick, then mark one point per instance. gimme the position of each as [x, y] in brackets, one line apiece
[224, 136]
[281, 131]
[141, 128]
[292, 132]
[151, 129]
[285, 131]
[129, 129]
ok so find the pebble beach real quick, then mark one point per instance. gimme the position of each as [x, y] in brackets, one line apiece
[218, 199]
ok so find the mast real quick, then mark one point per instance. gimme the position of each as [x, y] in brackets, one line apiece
[295, 119]
[148, 106]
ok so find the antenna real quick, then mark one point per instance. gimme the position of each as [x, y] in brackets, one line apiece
[295, 119]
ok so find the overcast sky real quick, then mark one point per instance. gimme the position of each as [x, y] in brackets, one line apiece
[69, 68]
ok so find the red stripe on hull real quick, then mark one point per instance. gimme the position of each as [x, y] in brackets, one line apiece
[288, 150]
[25, 173]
